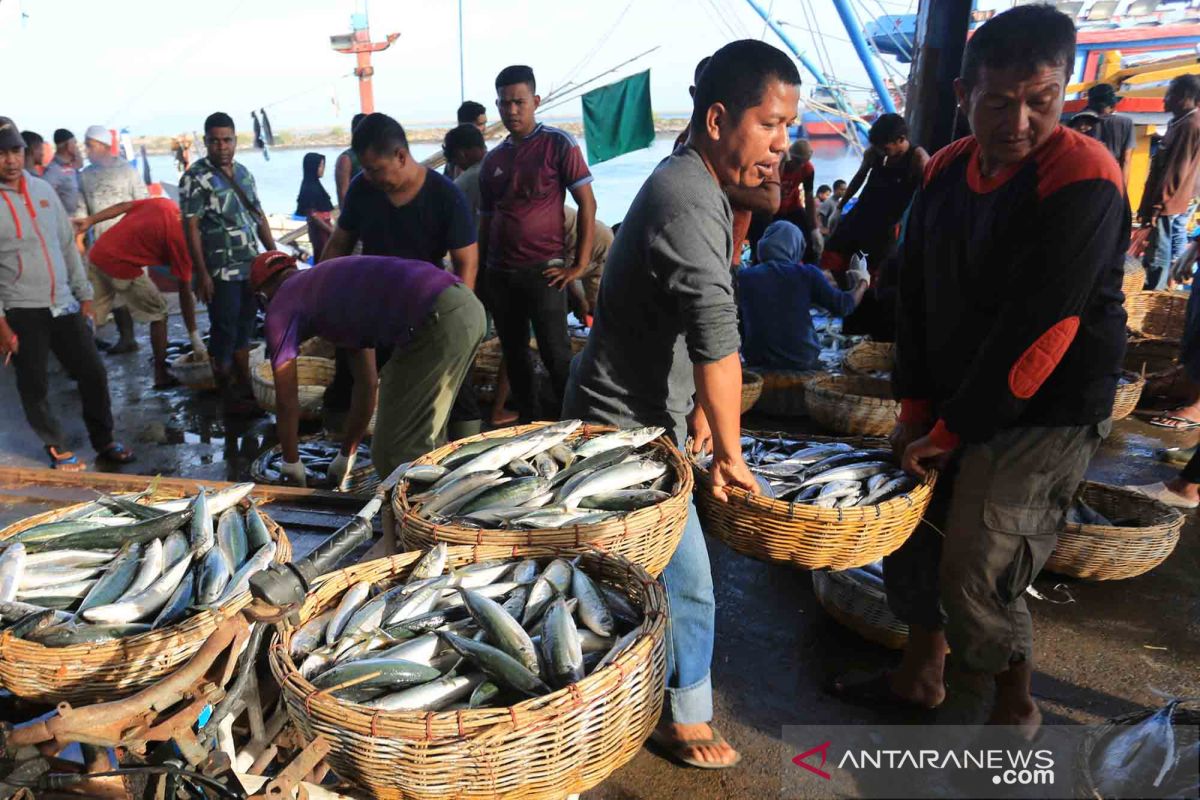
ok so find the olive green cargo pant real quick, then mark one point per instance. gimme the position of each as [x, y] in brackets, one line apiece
[418, 384]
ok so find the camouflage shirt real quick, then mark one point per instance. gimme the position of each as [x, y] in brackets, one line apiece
[228, 230]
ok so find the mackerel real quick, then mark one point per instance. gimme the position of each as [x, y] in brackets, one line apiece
[440, 497]
[468, 451]
[257, 534]
[217, 502]
[108, 537]
[598, 461]
[849, 472]
[200, 532]
[635, 438]
[309, 635]
[150, 567]
[502, 630]
[432, 696]
[619, 476]
[499, 665]
[66, 636]
[508, 494]
[431, 564]
[240, 582]
[562, 651]
[12, 565]
[116, 579]
[592, 610]
[176, 607]
[212, 576]
[389, 674]
[175, 547]
[624, 499]
[555, 579]
[52, 576]
[351, 600]
[231, 537]
[141, 605]
[69, 558]
[618, 648]
[57, 591]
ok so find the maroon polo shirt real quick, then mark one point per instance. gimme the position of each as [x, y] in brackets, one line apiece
[522, 186]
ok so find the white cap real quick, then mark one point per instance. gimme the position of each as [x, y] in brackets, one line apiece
[99, 133]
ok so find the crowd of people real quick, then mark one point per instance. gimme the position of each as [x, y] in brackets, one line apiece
[996, 266]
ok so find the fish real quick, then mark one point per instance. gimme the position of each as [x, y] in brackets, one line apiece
[619, 476]
[212, 577]
[175, 547]
[621, 645]
[130, 508]
[12, 565]
[514, 606]
[108, 536]
[564, 455]
[596, 462]
[200, 531]
[116, 579]
[351, 600]
[549, 517]
[149, 568]
[506, 495]
[420, 650]
[488, 462]
[217, 502]
[491, 590]
[500, 666]
[554, 580]
[432, 564]
[56, 575]
[378, 676]
[439, 498]
[618, 604]
[240, 582]
[309, 635]
[33, 623]
[635, 438]
[231, 537]
[856, 471]
[624, 499]
[417, 604]
[888, 489]
[69, 558]
[66, 636]
[838, 489]
[425, 473]
[1143, 755]
[176, 607]
[502, 629]
[592, 610]
[520, 469]
[257, 534]
[484, 693]
[545, 465]
[149, 601]
[11, 610]
[432, 696]
[562, 651]
[471, 450]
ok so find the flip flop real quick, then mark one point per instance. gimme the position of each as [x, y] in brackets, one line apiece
[1177, 455]
[65, 460]
[675, 748]
[117, 453]
[1160, 492]
[874, 691]
[1175, 423]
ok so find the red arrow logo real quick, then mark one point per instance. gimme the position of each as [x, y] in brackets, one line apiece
[823, 749]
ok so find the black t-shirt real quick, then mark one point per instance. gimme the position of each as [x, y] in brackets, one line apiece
[438, 219]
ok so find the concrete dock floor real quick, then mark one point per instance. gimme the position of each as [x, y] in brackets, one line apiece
[1110, 651]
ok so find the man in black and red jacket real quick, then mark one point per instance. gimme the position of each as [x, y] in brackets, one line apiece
[1010, 339]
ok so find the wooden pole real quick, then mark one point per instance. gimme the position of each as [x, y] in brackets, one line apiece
[942, 27]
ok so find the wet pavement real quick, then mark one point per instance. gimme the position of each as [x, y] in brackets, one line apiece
[1116, 647]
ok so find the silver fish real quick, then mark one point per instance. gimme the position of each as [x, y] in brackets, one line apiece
[212, 576]
[431, 564]
[635, 438]
[240, 582]
[620, 476]
[849, 472]
[509, 494]
[76, 589]
[200, 528]
[549, 517]
[496, 663]
[425, 473]
[352, 598]
[432, 696]
[592, 610]
[176, 607]
[555, 579]
[419, 602]
[216, 502]
[502, 630]
[564, 455]
[149, 568]
[462, 487]
[562, 651]
[520, 469]
[57, 575]
[231, 537]
[145, 603]
[624, 499]
[257, 534]
[12, 565]
[175, 547]
[421, 650]
[546, 465]
[491, 590]
[618, 648]
[116, 579]
[309, 635]
[69, 558]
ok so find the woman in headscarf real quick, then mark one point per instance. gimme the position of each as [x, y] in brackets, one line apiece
[314, 205]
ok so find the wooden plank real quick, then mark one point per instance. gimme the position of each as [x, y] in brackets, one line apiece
[18, 477]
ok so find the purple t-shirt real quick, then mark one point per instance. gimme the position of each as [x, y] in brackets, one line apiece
[354, 302]
[522, 186]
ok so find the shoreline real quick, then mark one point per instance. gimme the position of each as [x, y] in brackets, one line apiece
[292, 139]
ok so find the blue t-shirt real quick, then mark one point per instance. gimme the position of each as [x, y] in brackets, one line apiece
[435, 221]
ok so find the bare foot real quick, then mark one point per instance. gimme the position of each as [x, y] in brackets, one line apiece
[503, 417]
[919, 688]
[676, 736]
[1026, 718]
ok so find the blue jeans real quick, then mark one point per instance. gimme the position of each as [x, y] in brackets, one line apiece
[1171, 242]
[690, 629]
[231, 317]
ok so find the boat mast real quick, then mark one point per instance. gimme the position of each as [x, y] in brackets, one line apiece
[358, 42]
[812, 68]
[462, 83]
[864, 54]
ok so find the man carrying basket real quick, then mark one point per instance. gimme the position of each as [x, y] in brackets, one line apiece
[1010, 339]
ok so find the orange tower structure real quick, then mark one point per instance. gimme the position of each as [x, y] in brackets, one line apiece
[358, 42]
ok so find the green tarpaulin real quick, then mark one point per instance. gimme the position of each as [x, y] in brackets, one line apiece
[617, 118]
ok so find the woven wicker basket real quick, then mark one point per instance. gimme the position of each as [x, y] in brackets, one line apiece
[647, 537]
[860, 607]
[852, 404]
[1158, 361]
[544, 747]
[1185, 724]
[783, 392]
[752, 387]
[197, 375]
[1135, 277]
[1156, 315]
[1109, 553]
[313, 375]
[362, 478]
[868, 356]
[318, 348]
[1128, 395]
[487, 362]
[88, 673]
[806, 536]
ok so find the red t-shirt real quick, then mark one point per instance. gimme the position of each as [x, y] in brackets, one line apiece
[150, 234]
[522, 186]
[791, 187]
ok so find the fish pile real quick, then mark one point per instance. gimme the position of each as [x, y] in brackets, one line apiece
[822, 474]
[115, 567]
[316, 456]
[1155, 757]
[537, 480]
[486, 635]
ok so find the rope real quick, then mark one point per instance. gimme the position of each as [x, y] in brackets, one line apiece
[571, 73]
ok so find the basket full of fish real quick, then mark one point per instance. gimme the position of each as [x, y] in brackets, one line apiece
[477, 671]
[101, 599]
[822, 503]
[1113, 533]
[562, 484]
[856, 598]
[316, 454]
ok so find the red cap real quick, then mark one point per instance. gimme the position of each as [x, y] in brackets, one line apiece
[267, 264]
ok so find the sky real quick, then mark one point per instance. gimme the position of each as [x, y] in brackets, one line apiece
[161, 66]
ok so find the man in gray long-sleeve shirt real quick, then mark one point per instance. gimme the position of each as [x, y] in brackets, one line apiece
[45, 300]
[666, 329]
